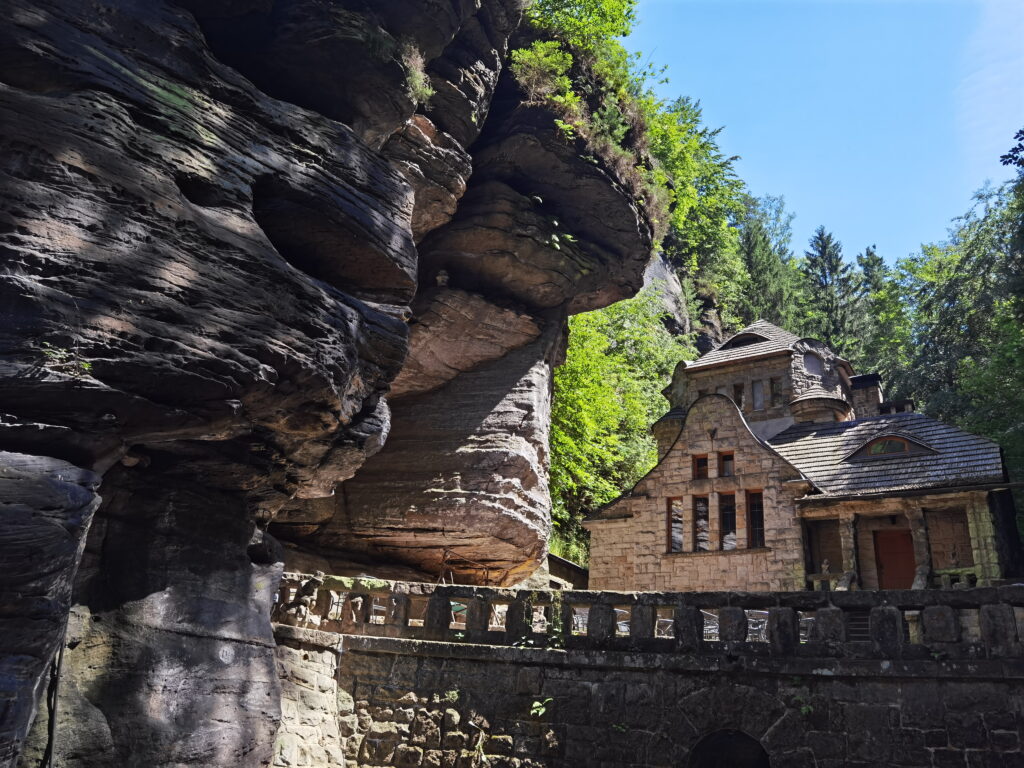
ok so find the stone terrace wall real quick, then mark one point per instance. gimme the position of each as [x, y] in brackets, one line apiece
[938, 679]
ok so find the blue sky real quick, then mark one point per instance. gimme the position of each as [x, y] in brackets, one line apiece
[876, 118]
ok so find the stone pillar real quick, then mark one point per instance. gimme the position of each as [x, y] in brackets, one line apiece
[741, 520]
[714, 524]
[689, 535]
[982, 531]
[848, 542]
[922, 547]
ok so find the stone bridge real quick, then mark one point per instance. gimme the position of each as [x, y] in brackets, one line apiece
[402, 674]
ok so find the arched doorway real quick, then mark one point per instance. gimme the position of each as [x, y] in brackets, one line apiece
[728, 749]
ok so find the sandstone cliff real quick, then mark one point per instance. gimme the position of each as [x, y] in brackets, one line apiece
[245, 241]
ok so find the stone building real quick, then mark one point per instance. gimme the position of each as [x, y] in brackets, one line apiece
[780, 469]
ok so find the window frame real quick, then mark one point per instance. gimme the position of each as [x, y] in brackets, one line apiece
[757, 393]
[693, 466]
[707, 516]
[722, 456]
[670, 524]
[821, 362]
[751, 528]
[914, 448]
[723, 529]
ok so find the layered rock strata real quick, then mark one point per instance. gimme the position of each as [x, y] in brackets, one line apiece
[228, 228]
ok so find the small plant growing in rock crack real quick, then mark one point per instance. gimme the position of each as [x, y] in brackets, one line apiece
[539, 707]
[620, 727]
[479, 756]
[65, 360]
[805, 707]
[417, 83]
[448, 697]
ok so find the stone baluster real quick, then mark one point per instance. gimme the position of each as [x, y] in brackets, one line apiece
[886, 628]
[355, 613]
[478, 614]
[783, 630]
[641, 623]
[601, 624]
[688, 627]
[518, 620]
[829, 626]
[999, 629]
[438, 620]
[732, 625]
[396, 621]
[940, 624]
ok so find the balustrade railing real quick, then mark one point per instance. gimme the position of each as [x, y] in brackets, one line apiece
[927, 624]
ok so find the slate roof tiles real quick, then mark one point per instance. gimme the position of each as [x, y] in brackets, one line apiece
[776, 340]
[822, 453]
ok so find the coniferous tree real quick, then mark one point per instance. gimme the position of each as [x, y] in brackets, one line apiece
[774, 288]
[834, 289]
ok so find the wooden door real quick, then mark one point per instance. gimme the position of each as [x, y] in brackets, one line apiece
[894, 559]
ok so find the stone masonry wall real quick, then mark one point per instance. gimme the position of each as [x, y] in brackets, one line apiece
[629, 542]
[390, 692]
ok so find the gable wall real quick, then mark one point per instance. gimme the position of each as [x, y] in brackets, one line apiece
[631, 553]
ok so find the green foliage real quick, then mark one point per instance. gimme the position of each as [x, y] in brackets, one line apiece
[607, 394]
[417, 83]
[65, 360]
[962, 334]
[543, 72]
[586, 24]
[834, 290]
[540, 707]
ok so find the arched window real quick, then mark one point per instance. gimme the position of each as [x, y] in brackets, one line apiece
[728, 748]
[813, 364]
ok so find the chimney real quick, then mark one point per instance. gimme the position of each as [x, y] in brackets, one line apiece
[867, 395]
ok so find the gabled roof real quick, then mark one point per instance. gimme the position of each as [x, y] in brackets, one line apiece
[822, 452]
[774, 340]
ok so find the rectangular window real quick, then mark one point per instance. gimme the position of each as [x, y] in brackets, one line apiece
[726, 465]
[722, 391]
[701, 392]
[675, 525]
[757, 394]
[755, 519]
[701, 524]
[700, 467]
[775, 391]
[727, 521]
[737, 395]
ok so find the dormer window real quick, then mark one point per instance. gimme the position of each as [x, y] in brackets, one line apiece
[813, 364]
[743, 340]
[889, 446]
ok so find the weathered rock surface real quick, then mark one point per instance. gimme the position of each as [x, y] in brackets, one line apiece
[462, 485]
[209, 220]
[46, 506]
[454, 331]
[435, 165]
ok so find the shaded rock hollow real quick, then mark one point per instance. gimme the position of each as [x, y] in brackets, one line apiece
[228, 232]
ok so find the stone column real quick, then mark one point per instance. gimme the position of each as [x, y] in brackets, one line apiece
[848, 541]
[714, 524]
[922, 546]
[741, 520]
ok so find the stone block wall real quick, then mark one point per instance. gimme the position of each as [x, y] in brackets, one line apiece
[465, 695]
[629, 541]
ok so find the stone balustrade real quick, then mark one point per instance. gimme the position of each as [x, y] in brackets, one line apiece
[934, 625]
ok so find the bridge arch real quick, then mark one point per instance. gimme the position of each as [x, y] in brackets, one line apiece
[728, 748]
